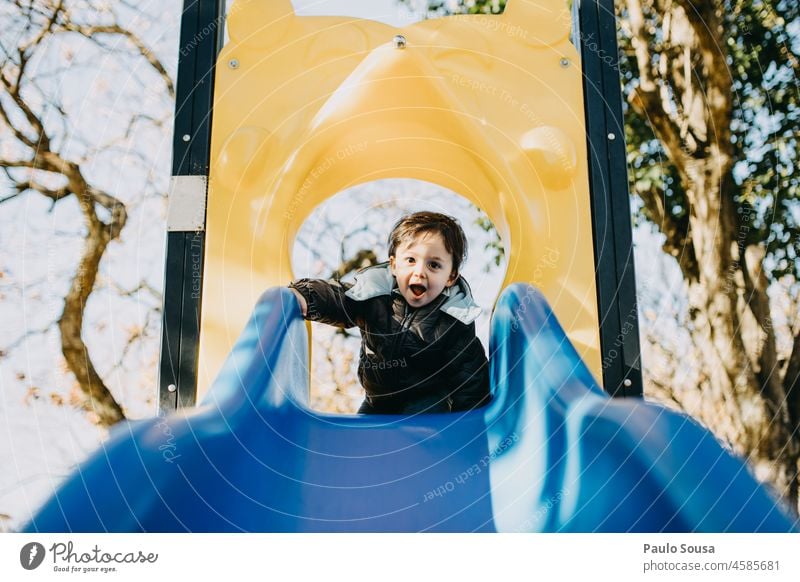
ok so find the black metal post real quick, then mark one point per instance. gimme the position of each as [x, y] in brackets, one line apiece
[608, 184]
[200, 43]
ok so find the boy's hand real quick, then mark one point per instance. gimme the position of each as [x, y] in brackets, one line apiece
[301, 300]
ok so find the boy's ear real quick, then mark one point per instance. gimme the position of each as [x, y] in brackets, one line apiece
[391, 264]
[453, 278]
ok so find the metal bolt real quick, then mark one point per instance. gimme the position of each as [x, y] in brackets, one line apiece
[399, 41]
[186, 137]
[233, 63]
[564, 62]
[627, 382]
[612, 137]
[172, 388]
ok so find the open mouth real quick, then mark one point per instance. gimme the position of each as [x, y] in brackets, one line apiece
[417, 290]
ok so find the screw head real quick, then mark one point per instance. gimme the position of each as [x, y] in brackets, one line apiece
[564, 62]
[186, 137]
[172, 388]
[627, 382]
[233, 63]
[612, 136]
[399, 41]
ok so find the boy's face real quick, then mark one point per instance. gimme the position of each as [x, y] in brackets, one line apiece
[423, 268]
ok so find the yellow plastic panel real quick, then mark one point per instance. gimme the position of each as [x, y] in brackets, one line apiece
[487, 106]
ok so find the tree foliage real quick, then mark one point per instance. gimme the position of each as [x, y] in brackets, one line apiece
[711, 129]
[758, 57]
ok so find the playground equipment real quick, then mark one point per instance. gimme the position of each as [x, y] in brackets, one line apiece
[307, 106]
[552, 452]
[491, 107]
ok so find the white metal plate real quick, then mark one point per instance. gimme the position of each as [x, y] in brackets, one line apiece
[187, 203]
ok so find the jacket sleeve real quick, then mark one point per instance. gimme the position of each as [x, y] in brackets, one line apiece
[327, 302]
[469, 370]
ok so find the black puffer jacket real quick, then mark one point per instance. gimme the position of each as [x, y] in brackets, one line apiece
[412, 360]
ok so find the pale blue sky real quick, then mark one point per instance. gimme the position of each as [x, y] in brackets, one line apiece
[388, 11]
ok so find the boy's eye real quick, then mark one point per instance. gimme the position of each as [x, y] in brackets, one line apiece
[410, 260]
[435, 265]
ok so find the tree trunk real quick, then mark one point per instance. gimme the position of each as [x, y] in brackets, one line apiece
[99, 400]
[685, 92]
[742, 407]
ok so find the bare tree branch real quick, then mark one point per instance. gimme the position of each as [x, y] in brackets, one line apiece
[706, 21]
[766, 356]
[133, 340]
[647, 99]
[142, 286]
[677, 241]
[104, 215]
[19, 134]
[115, 29]
[45, 30]
[362, 258]
[9, 197]
[54, 194]
[13, 90]
[25, 337]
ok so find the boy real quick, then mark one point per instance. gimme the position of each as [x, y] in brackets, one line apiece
[419, 352]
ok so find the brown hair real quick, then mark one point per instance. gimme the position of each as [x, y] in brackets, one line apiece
[412, 225]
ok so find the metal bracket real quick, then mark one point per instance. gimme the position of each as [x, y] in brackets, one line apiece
[187, 204]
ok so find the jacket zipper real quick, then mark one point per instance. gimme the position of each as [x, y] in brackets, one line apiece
[404, 323]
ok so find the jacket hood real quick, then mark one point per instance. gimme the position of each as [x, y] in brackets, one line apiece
[378, 280]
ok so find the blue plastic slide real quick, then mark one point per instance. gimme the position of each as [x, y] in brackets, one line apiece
[551, 453]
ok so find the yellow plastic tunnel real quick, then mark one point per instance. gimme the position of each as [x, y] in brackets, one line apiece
[490, 107]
